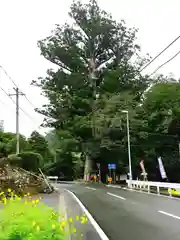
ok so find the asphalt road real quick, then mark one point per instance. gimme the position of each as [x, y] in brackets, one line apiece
[124, 214]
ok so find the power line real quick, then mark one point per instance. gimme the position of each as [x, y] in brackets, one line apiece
[159, 54]
[7, 94]
[15, 104]
[21, 91]
[30, 102]
[16, 86]
[3, 103]
[8, 76]
[165, 63]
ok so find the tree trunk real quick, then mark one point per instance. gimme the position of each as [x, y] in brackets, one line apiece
[87, 168]
[92, 76]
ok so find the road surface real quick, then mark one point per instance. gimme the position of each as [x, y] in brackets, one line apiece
[124, 214]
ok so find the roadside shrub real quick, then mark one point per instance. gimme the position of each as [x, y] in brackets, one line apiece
[31, 161]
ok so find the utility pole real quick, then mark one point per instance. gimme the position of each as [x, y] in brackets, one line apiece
[129, 146]
[17, 94]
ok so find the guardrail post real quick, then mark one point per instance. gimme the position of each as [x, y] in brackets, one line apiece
[148, 189]
[158, 192]
[170, 192]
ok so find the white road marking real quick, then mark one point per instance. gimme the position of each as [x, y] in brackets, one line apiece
[117, 196]
[62, 209]
[113, 186]
[169, 214]
[91, 219]
[90, 188]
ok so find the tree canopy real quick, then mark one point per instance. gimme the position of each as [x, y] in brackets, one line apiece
[98, 75]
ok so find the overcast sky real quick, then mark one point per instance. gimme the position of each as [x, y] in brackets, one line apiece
[23, 23]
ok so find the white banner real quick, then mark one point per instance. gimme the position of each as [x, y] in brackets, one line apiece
[161, 168]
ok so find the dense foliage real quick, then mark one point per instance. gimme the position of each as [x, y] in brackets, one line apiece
[34, 151]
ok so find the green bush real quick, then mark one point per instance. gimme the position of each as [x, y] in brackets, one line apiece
[31, 161]
[29, 220]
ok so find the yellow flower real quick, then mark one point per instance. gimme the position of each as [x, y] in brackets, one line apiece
[1, 193]
[37, 200]
[70, 220]
[4, 200]
[28, 194]
[83, 220]
[33, 201]
[33, 223]
[63, 222]
[74, 230]
[77, 218]
[53, 226]
[38, 228]
[9, 190]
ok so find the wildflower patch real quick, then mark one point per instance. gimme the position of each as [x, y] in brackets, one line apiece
[29, 219]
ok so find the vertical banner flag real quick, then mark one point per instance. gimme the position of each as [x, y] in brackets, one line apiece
[142, 166]
[161, 168]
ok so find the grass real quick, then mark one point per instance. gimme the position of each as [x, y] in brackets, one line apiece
[29, 219]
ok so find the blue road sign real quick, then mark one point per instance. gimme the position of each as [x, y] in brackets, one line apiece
[111, 166]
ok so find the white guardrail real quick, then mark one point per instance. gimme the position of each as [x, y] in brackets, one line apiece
[170, 187]
[53, 178]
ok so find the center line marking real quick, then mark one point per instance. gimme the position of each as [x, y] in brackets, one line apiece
[90, 188]
[117, 196]
[169, 214]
